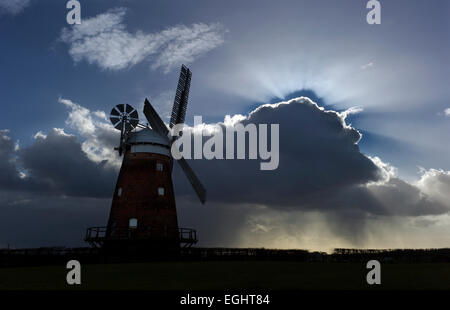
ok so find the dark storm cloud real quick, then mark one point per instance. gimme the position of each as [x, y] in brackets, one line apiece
[397, 197]
[54, 164]
[8, 176]
[318, 154]
[52, 205]
[394, 197]
[59, 162]
[320, 168]
[322, 178]
[60, 196]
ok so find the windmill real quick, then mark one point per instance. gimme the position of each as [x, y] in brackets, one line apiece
[143, 210]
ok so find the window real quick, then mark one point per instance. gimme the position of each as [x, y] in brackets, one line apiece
[159, 167]
[119, 192]
[161, 191]
[133, 223]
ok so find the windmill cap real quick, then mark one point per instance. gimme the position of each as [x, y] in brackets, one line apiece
[147, 135]
[148, 141]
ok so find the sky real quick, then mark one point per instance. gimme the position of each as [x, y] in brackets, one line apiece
[364, 124]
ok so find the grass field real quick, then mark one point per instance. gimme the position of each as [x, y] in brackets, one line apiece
[223, 275]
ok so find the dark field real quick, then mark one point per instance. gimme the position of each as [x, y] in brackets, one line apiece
[229, 275]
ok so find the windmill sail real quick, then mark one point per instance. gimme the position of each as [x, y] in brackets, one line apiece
[154, 120]
[159, 126]
[181, 97]
[193, 179]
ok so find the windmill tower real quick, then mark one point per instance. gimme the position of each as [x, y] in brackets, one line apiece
[143, 211]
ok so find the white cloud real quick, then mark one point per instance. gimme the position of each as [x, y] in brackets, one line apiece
[367, 66]
[13, 6]
[99, 136]
[351, 111]
[387, 171]
[39, 135]
[4, 135]
[447, 112]
[163, 104]
[104, 40]
[79, 117]
[436, 183]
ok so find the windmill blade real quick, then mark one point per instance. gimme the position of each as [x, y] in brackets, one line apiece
[114, 121]
[120, 107]
[114, 112]
[134, 115]
[114, 117]
[181, 97]
[158, 125]
[154, 120]
[195, 182]
[119, 125]
[128, 108]
[133, 118]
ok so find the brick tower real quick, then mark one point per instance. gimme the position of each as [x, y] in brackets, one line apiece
[143, 206]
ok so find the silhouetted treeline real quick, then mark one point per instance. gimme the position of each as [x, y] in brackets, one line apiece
[394, 255]
[60, 255]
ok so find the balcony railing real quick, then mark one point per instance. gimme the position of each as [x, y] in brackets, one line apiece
[98, 235]
[187, 235]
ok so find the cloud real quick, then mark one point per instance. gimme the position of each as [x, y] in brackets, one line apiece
[321, 169]
[447, 112]
[98, 135]
[13, 6]
[435, 183]
[9, 176]
[367, 66]
[244, 225]
[318, 154]
[398, 197]
[351, 111]
[325, 193]
[56, 164]
[104, 40]
[39, 135]
[163, 104]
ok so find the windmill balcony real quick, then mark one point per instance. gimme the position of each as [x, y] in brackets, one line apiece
[96, 236]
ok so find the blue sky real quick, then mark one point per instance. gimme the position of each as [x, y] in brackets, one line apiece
[397, 71]
[242, 54]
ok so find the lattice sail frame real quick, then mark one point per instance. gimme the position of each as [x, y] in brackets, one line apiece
[181, 97]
